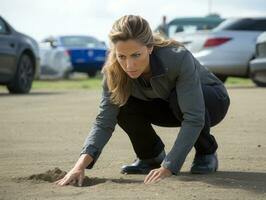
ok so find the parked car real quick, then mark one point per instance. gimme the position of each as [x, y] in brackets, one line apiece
[227, 49]
[19, 59]
[73, 53]
[258, 65]
[55, 61]
[192, 24]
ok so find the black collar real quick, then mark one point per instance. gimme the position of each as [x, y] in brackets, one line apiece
[156, 65]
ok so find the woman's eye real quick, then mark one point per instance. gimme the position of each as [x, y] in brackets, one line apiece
[121, 57]
[136, 55]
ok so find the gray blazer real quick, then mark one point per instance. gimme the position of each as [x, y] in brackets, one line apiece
[172, 68]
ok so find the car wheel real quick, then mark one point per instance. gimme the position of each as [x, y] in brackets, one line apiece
[259, 78]
[24, 76]
[92, 74]
[222, 78]
[68, 74]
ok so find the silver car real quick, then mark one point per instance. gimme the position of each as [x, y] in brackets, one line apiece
[227, 49]
[258, 65]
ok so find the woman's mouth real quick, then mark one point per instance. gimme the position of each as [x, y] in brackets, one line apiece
[132, 72]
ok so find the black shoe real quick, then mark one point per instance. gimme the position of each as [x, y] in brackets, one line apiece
[143, 166]
[204, 164]
[139, 167]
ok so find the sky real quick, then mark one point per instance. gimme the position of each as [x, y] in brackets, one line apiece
[42, 18]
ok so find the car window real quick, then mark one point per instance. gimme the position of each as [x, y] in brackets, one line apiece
[81, 41]
[188, 28]
[243, 25]
[259, 25]
[3, 28]
[179, 25]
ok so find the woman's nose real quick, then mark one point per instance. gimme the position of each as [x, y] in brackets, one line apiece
[130, 64]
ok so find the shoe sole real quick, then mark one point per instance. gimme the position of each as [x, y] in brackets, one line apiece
[135, 172]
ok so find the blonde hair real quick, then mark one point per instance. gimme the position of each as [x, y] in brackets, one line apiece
[125, 28]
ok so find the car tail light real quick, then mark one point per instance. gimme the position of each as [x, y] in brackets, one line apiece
[216, 42]
[67, 53]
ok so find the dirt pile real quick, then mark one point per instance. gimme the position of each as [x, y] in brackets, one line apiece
[56, 174]
[50, 175]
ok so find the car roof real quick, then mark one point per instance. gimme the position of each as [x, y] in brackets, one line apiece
[58, 37]
[76, 35]
[196, 20]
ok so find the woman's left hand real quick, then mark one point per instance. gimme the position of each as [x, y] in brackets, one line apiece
[156, 175]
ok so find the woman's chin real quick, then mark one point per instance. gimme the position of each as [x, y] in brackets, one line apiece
[133, 75]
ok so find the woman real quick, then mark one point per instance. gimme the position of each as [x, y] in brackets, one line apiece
[151, 80]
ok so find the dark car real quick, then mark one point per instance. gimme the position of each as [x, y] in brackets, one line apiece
[258, 65]
[19, 59]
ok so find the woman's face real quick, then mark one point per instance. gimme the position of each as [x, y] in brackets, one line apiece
[133, 57]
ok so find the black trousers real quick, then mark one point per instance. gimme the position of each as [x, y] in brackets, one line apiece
[136, 117]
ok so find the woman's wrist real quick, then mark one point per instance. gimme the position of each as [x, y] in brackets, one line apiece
[83, 161]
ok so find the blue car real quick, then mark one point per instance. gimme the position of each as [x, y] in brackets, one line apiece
[76, 53]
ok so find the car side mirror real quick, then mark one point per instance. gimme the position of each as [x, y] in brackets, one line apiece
[103, 43]
[53, 44]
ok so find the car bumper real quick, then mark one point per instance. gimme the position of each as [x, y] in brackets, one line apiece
[258, 64]
[224, 62]
[87, 67]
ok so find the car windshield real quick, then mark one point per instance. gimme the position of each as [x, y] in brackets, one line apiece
[242, 25]
[191, 25]
[3, 28]
[81, 41]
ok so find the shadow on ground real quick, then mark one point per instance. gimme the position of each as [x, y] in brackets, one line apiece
[30, 94]
[251, 181]
[95, 181]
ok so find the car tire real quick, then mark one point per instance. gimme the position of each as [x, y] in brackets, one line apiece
[221, 77]
[92, 74]
[68, 74]
[22, 81]
[259, 78]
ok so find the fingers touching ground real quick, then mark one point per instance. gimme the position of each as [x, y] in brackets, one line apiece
[156, 175]
[63, 181]
[153, 176]
[73, 177]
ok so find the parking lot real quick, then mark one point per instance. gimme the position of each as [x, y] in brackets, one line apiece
[46, 129]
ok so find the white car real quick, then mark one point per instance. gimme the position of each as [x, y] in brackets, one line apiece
[227, 49]
[55, 62]
[258, 65]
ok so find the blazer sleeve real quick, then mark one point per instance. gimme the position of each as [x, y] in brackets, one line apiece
[102, 128]
[191, 102]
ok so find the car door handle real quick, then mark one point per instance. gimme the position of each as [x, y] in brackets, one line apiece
[12, 45]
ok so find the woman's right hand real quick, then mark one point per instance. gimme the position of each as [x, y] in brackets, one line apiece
[76, 174]
[73, 177]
